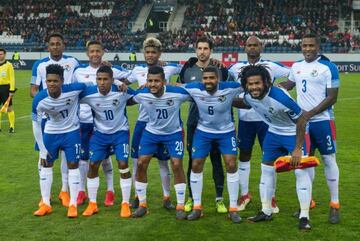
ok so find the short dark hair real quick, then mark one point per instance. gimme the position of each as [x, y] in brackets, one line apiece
[3, 50]
[254, 70]
[55, 69]
[204, 39]
[157, 70]
[57, 35]
[94, 42]
[312, 35]
[211, 69]
[105, 69]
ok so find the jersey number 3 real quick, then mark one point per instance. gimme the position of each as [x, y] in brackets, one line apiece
[303, 85]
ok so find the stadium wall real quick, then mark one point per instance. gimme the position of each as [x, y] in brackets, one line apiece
[345, 62]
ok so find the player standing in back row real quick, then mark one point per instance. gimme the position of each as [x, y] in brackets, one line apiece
[317, 84]
[250, 123]
[152, 52]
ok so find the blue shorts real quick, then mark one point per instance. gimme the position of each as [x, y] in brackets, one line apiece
[247, 131]
[323, 136]
[100, 146]
[43, 121]
[68, 142]
[275, 146]
[203, 142]
[161, 153]
[150, 143]
[86, 130]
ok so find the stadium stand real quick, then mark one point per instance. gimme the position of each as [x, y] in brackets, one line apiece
[24, 25]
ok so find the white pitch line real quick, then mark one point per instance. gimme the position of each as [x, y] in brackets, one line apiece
[24, 117]
[349, 98]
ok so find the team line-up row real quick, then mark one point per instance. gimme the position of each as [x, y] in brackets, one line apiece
[279, 123]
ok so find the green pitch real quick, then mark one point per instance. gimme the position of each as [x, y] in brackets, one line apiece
[19, 191]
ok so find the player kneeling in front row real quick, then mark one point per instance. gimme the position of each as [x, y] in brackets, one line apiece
[279, 111]
[111, 130]
[60, 104]
[162, 104]
[215, 126]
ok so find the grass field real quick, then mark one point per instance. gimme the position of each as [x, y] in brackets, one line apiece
[19, 191]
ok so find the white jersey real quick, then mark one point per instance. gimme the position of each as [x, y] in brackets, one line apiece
[39, 70]
[278, 110]
[276, 70]
[139, 75]
[62, 112]
[215, 109]
[164, 111]
[109, 110]
[312, 81]
[85, 73]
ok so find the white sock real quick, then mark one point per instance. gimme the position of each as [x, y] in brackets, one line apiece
[46, 178]
[196, 183]
[125, 185]
[165, 177]
[64, 173]
[303, 190]
[141, 191]
[39, 166]
[311, 173]
[134, 170]
[108, 171]
[275, 181]
[180, 190]
[266, 187]
[74, 182]
[93, 186]
[332, 176]
[233, 188]
[84, 168]
[244, 174]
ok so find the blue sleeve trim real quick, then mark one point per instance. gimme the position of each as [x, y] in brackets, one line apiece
[89, 91]
[195, 85]
[175, 89]
[73, 87]
[229, 84]
[280, 96]
[36, 65]
[39, 97]
[142, 91]
[333, 70]
[131, 91]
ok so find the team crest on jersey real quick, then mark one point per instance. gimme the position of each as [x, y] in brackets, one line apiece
[222, 98]
[67, 67]
[271, 110]
[170, 102]
[298, 72]
[3, 74]
[314, 73]
[150, 102]
[87, 76]
[202, 98]
[68, 102]
[116, 102]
